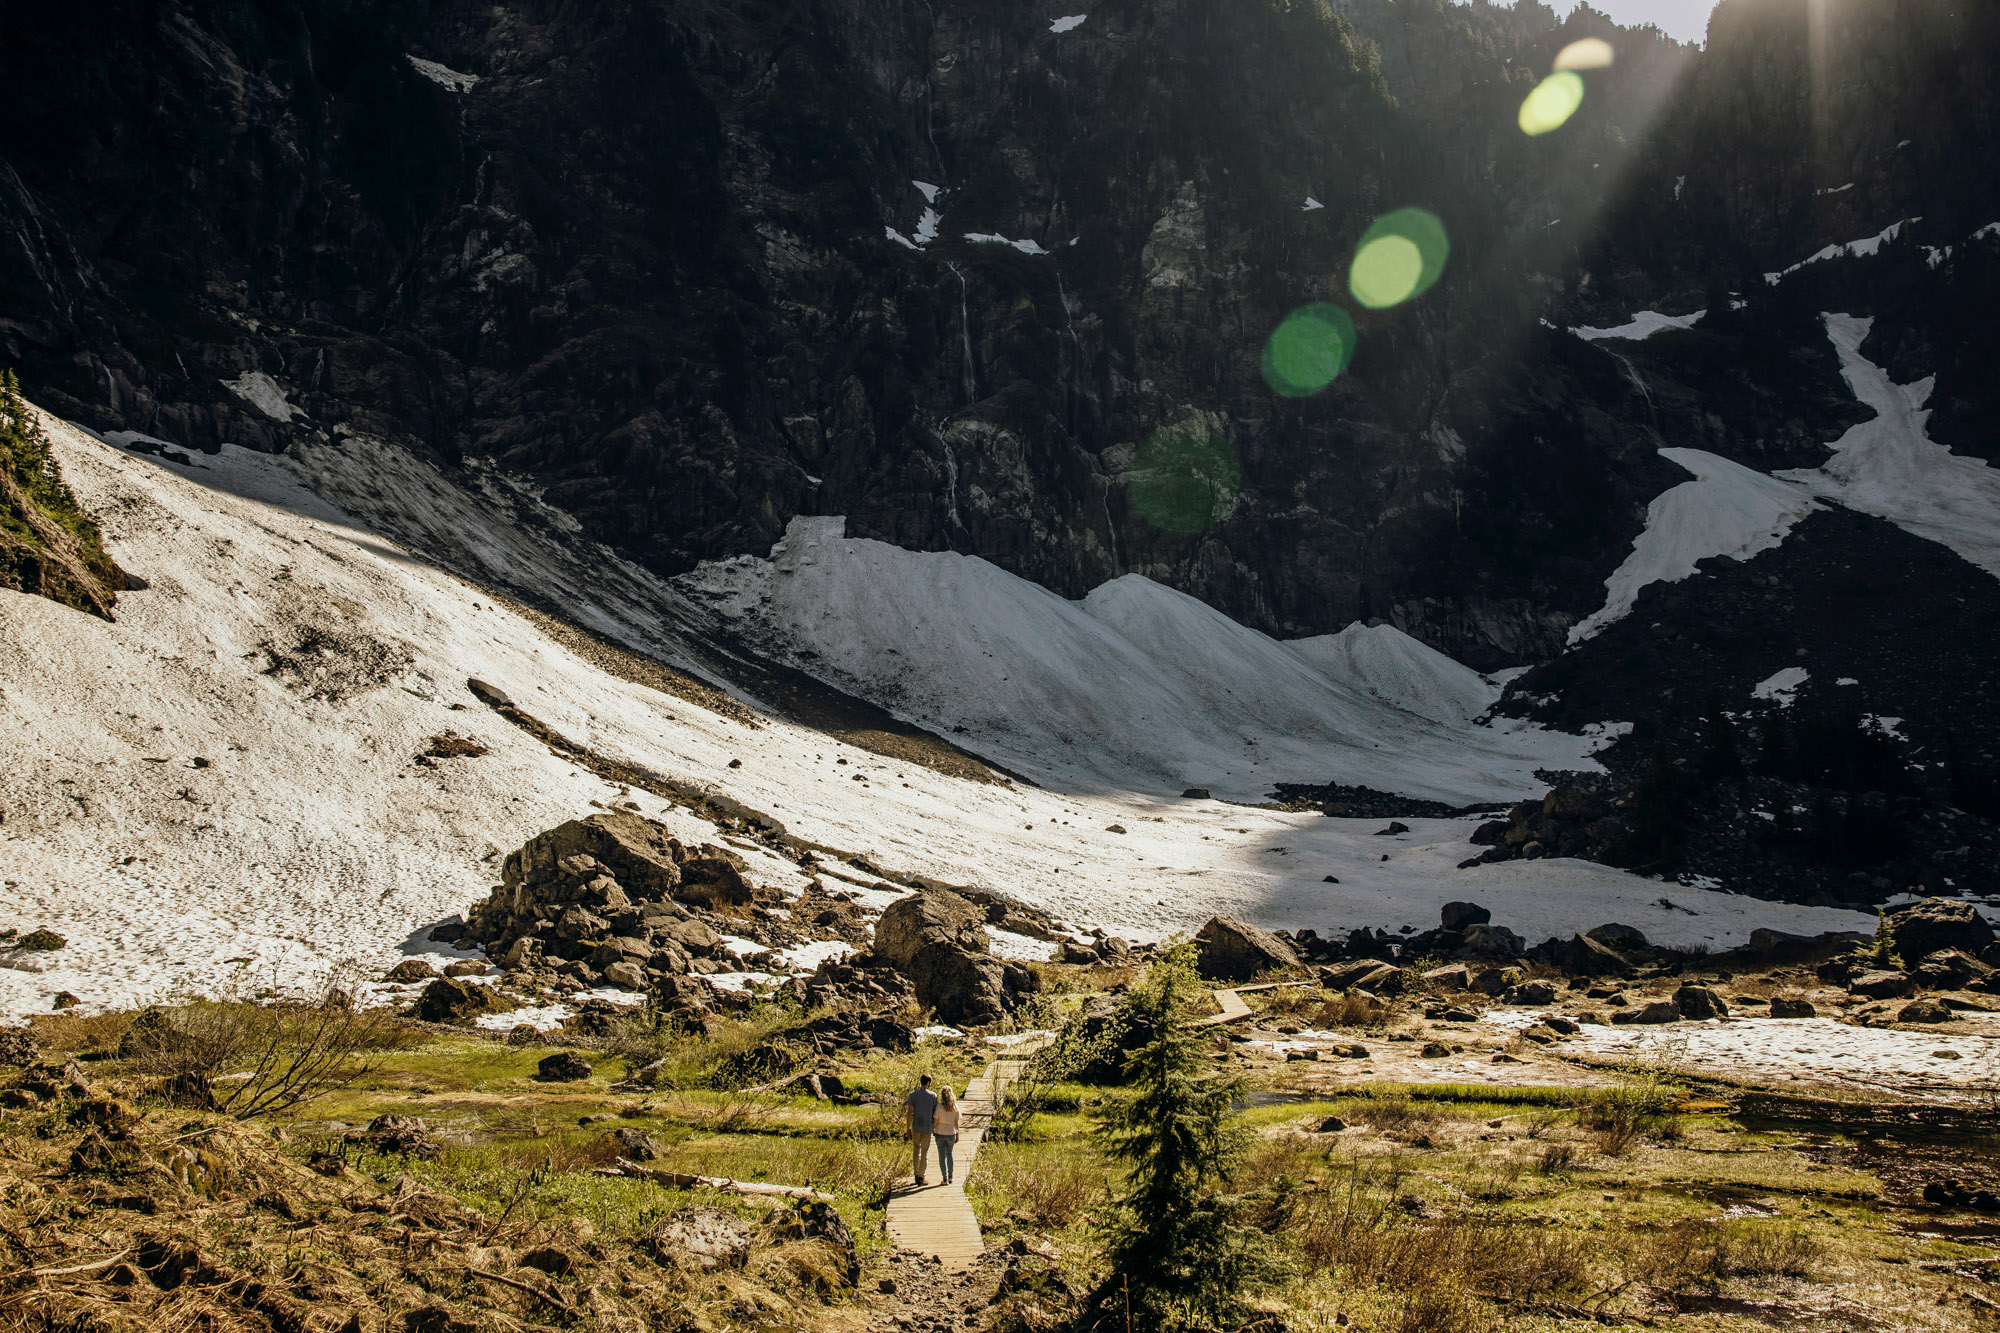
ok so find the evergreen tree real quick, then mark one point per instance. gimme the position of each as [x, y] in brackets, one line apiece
[1178, 1253]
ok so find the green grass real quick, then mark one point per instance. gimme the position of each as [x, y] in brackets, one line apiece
[71, 568]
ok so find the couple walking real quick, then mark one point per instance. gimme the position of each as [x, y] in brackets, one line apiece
[931, 1116]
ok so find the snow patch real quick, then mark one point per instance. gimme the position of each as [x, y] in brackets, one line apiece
[261, 392]
[1867, 245]
[927, 190]
[1728, 509]
[1782, 687]
[1068, 23]
[1028, 247]
[1311, 204]
[448, 79]
[1642, 325]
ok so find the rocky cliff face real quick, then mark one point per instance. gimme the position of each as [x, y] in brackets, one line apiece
[705, 267]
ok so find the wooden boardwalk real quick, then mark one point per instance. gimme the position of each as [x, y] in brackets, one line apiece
[938, 1219]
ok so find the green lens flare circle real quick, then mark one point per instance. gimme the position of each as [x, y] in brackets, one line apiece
[1553, 102]
[1186, 478]
[1400, 257]
[1308, 351]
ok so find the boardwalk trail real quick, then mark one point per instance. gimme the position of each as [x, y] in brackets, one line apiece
[937, 1219]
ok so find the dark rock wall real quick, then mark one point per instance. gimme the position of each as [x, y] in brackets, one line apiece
[644, 258]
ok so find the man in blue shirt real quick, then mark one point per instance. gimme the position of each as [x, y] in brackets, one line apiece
[917, 1118]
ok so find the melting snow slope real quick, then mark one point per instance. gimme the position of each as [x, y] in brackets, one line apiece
[1728, 509]
[1890, 468]
[310, 837]
[1135, 687]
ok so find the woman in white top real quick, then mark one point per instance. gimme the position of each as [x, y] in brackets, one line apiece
[944, 1129]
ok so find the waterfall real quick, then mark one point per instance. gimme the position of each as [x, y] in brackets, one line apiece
[1636, 381]
[1110, 528]
[950, 477]
[965, 337]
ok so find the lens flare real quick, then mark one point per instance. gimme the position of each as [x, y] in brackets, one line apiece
[1590, 53]
[1400, 256]
[1185, 478]
[1308, 351]
[1553, 102]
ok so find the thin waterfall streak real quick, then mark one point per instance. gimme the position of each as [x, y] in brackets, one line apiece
[965, 337]
[950, 478]
[1110, 528]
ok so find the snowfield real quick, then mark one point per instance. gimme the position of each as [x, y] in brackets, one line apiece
[222, 789]
[1136, 687]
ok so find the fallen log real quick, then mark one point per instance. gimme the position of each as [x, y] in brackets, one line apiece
[677, 1180]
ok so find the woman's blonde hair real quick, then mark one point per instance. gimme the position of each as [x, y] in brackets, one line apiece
[946, 1099]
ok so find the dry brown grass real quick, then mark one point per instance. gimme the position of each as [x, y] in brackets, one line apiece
[1052, 1185]
[1702, 1253]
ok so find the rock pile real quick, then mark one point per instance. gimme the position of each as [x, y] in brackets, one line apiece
[592, 901]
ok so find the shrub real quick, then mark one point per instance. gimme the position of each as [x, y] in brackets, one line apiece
[1703, 1252]
[284, 1054]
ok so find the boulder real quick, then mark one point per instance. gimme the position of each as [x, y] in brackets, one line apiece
[637, 1145]
[1494, 981]
[562, 1067]
[1231, 950]
[1699, 1002]
[1454, 976]
[1618, 936]
[1362, 974]
[1925, 1010]
[1948, 969]
[813, 1220]
[1434, 1050]
[1457, 916]
[1584, 956]
[1880, 985]
[626, 975]
[715, 879]
[404, 1135]
[700, 1240]
[1531, 993]
[1786, 1007]
[411, 969]
[637, 853]
[938, 940]
[1924, 928]
[1653, 1011]
[452, 1000]
[1484, 941]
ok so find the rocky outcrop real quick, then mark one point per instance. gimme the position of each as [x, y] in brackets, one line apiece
[593, 900]
[938, 940]
[1231, 950]
[1936, 924]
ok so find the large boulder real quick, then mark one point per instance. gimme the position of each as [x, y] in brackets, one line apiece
[1457, 916]
[1785, 1006]
[1232, 950]
[1699, 1002]
[701, 1240]
[1936, 923]
[1362, 974]
[451, 1000]
[635, 851]
[1881, 985]
[1482, 941]
[938, 940]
